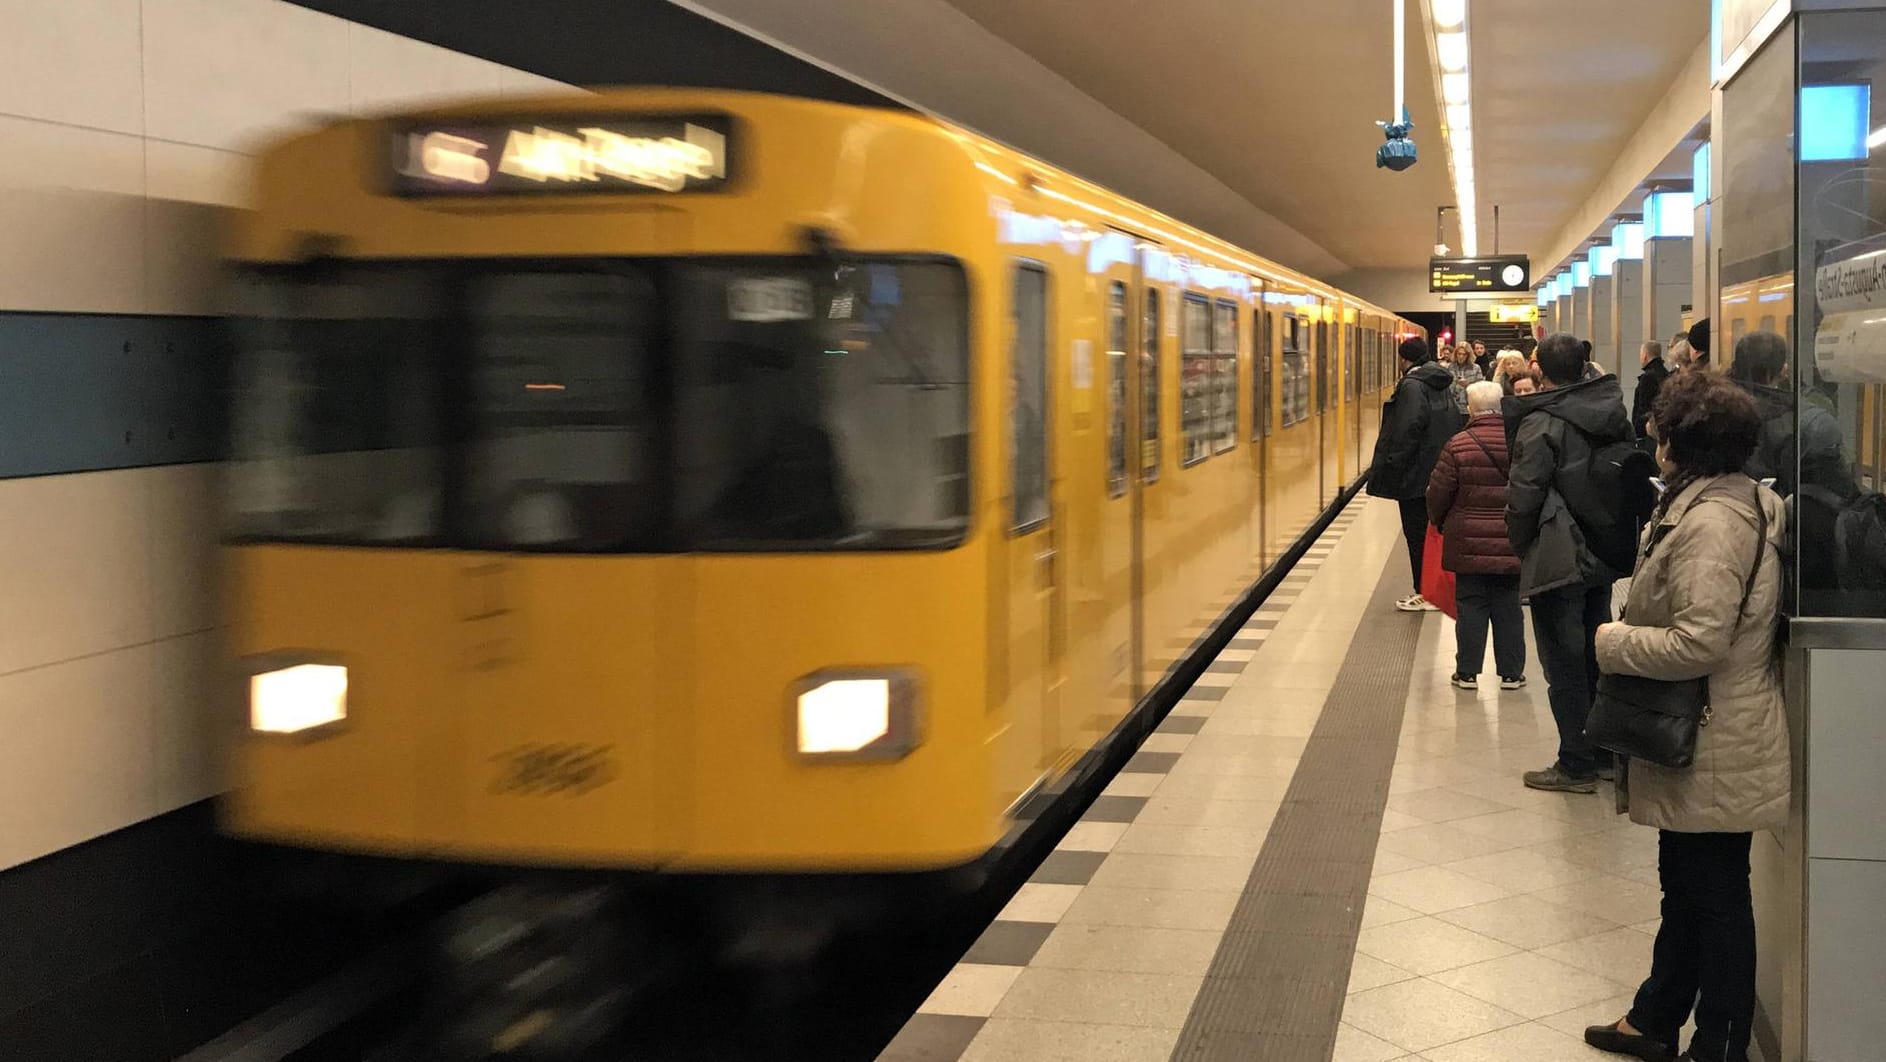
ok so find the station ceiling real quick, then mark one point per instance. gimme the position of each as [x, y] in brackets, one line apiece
[1204, 109]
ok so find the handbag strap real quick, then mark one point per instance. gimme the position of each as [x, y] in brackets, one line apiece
[1761, 548]
[1508, 471]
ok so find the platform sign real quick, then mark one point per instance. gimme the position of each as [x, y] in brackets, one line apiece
[561, 155]
[1513, 313]
[1495, 275]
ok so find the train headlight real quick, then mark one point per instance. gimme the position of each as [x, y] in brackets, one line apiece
[297, 698]
[855, 715]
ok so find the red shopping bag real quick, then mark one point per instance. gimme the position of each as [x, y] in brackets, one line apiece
[1437, 583]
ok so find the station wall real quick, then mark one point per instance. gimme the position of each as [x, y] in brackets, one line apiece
[124, 129]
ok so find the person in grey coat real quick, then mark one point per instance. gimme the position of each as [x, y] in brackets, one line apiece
[1684, 619]
[1572, 543]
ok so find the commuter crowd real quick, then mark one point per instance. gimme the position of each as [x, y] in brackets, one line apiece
[1546, 491]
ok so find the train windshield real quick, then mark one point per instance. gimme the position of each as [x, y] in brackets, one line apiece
[651, 406]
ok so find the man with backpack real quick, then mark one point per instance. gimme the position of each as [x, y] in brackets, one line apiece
[1416, 422]
[1579, 493]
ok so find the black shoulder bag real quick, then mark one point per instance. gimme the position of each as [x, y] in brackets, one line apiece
[1656, 720]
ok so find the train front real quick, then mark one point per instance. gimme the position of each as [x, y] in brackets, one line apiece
[602, 494]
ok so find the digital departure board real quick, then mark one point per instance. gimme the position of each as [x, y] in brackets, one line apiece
[1498, 274]
[561, 156]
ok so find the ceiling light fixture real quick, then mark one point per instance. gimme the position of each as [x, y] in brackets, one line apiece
[1448, 14]
[1451, 49]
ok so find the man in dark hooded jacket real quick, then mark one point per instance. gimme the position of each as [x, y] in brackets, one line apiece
[1571, 548]
[1416, 423]
[1760, 367]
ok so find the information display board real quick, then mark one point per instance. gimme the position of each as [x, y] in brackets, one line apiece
[1495, 275]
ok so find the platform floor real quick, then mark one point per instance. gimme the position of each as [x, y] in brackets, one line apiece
[1324, 852]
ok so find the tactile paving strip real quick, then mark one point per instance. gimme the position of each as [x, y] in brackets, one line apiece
[1276, 986]
[947, 1023]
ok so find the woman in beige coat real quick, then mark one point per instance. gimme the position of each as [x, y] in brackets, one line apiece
[1686, 618]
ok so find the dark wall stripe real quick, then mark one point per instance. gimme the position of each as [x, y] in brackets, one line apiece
[1276, 986]
[87, 392]
[141, 944]
[606, 42]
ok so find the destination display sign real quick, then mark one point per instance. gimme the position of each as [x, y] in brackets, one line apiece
[1494, 275]
[561, 156]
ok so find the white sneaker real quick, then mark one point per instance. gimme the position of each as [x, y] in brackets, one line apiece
[1414, 603]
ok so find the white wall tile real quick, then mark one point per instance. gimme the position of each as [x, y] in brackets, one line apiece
[186, 221]
[468, 77]
[233, 73]
[192, 714]
[515, 83]
[185, 565]
[388, 72]
[72, 209]
[187, 173]
[74, 567]
[73, 61]
[76, 762]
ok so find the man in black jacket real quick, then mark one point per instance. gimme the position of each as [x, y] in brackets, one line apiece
[1649, 383]
[1416, 422]
[1572, 541]
[1760, 367]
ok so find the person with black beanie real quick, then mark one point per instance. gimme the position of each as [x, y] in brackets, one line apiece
[1416, 423]
[1699, 344]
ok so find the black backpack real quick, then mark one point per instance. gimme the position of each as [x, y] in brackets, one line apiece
[1840, 548]
[1622, 474]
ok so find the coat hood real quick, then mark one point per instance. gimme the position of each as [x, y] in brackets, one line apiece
[1595, 407]
[1738, 493]
[1434, 374]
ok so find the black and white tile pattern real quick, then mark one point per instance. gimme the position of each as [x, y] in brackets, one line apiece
[955, 1021]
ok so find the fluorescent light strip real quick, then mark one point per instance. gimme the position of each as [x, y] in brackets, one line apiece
[1452, 53]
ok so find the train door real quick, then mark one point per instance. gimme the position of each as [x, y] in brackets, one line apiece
[1034, 566]
[1152, 496]
[569, 659]
[1326, 438]
[1110, 578]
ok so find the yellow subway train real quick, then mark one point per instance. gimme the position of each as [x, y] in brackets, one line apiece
[705, 483]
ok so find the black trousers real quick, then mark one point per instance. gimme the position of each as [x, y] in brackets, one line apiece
[1414, 528]
[1484, 600]
[1705, 951]
[1565, 626]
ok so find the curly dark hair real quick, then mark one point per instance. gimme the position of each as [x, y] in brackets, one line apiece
[1712, 425]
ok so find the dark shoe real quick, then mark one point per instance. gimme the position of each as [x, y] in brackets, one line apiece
[1610, 1038]
[1466, 682]
[1553, 780]
[1512, 682]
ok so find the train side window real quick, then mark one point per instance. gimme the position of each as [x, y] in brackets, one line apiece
[1028, 408]
[1116, 390]
[1322, 366]
[1195, 399]
[1260, 374]
[1296, 373]
[1224, 376]
[1150, 365]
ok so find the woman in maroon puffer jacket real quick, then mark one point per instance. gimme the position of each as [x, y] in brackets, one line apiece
[1467, 501]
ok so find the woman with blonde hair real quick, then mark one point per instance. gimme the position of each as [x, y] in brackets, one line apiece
[1509, 366]
[1466, 373]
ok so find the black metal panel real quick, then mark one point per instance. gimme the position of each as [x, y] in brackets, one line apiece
[87, 392]
[605, 42]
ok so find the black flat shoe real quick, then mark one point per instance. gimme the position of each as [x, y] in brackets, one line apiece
[1609, 1038]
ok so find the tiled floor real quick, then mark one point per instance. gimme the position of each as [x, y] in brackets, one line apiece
[1500, 921]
